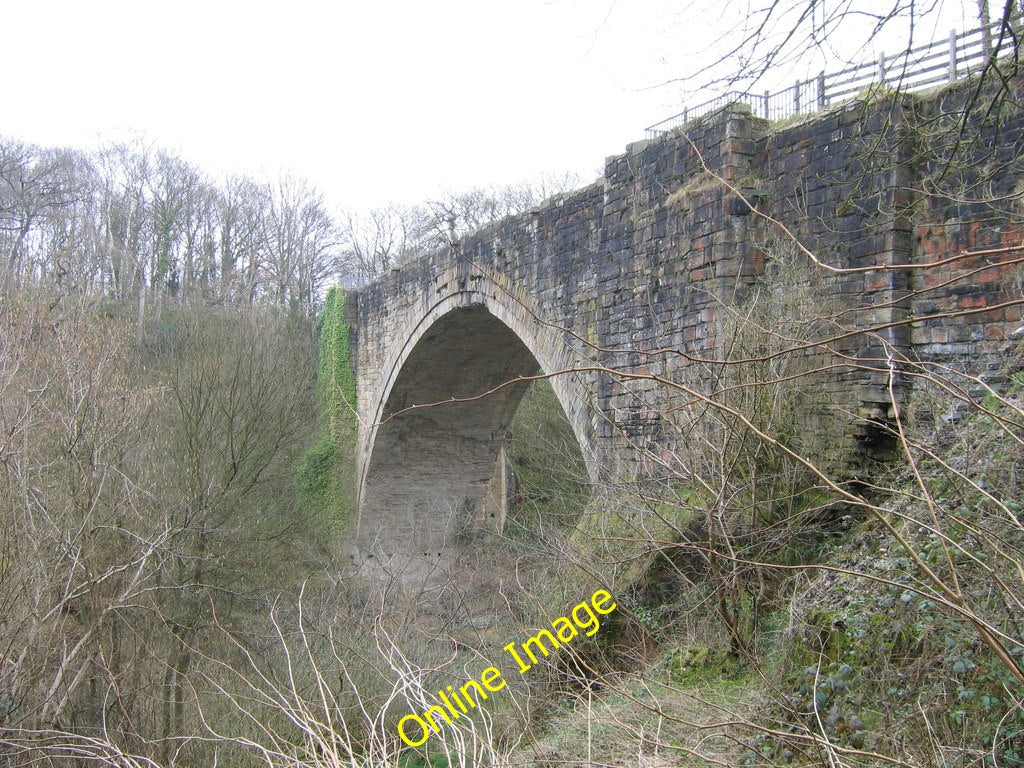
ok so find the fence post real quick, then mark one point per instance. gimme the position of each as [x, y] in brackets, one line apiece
[821, 90]
[952, 55]
[766, 115]
[881, 70]
[796, 98]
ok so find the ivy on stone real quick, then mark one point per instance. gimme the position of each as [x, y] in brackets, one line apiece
[326, 476]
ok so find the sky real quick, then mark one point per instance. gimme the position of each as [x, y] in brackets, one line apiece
[374, 101]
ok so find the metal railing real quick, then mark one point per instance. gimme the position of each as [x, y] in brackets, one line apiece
[925, 66]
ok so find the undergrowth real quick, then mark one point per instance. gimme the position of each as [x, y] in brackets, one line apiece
[856, 656]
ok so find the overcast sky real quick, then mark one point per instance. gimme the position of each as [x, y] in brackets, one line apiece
[373, 101]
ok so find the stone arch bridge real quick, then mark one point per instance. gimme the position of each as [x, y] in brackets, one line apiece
[587, 287]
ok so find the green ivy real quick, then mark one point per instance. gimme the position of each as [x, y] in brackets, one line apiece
[337, 383]
[326, 477]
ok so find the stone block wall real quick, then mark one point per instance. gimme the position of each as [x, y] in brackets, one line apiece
[638, 274]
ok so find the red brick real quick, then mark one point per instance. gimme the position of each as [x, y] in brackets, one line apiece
[972, 302]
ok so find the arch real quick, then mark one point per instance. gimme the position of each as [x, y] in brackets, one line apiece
[426, 474]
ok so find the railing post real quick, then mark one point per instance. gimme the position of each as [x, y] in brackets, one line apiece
[766, 115]
[952, 55]
[796, 98]
[881, 70]
[822, 101]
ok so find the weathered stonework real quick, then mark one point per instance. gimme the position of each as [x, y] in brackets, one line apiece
[590, 286]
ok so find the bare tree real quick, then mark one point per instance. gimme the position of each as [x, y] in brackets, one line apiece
[374, 241]
[179, 198]
[69, 255]
[79, 561]
[301, 242]
[243, 206]
[33, 182]
[456, 214]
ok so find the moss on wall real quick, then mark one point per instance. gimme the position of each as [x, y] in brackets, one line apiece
[326, 476]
